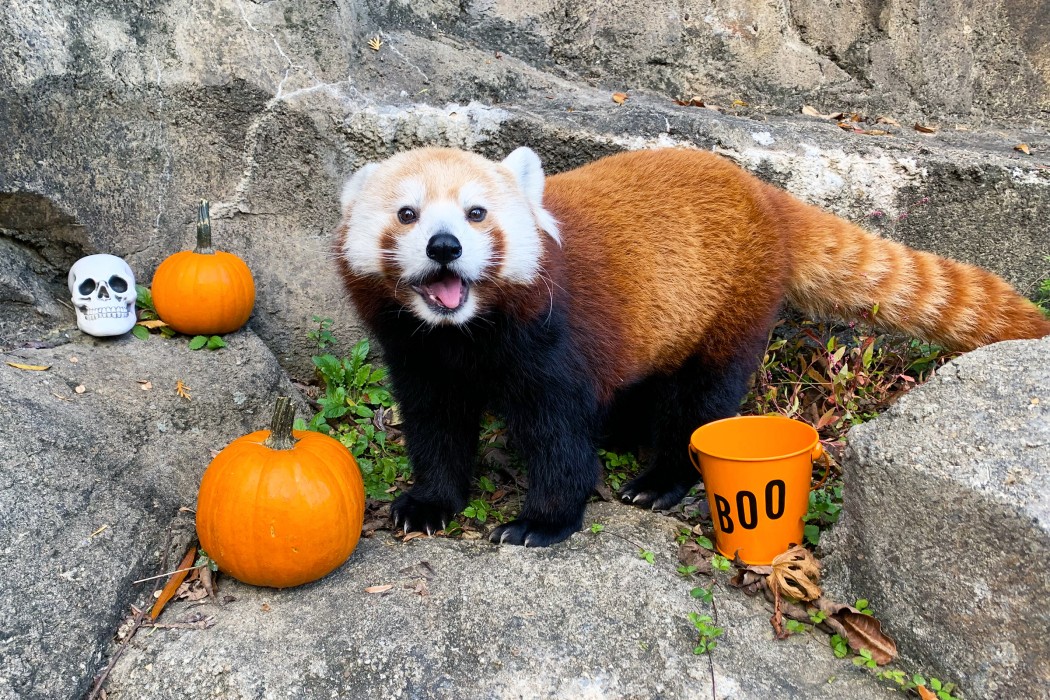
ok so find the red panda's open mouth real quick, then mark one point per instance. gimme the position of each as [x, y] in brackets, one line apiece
[444, 293]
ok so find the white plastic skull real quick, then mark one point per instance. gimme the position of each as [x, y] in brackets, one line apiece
[103, 289]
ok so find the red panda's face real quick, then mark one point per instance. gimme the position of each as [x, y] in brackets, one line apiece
[446, 229]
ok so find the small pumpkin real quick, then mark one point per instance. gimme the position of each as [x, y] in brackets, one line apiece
[279, 507]
[203, 291]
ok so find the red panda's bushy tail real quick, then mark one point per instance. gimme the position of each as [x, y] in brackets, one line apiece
[842, 271]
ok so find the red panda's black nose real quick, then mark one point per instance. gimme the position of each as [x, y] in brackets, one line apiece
[444, 248]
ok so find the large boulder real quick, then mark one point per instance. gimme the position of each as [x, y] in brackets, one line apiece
[587, 619]
[97, 455]
[946, 521]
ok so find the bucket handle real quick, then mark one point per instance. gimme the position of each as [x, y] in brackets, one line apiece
[815, 455]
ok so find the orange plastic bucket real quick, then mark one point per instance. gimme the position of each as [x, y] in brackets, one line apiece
[757, 472]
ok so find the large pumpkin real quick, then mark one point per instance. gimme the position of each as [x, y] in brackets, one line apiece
[280, 507]
[203, 291]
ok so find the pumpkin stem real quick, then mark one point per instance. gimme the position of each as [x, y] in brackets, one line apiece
[281, 425]
[203, 230]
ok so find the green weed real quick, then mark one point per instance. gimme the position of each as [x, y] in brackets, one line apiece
[707, 631]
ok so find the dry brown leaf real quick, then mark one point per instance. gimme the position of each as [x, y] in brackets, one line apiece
[619, 97]
[265, 607]
[692, 554]
[812, 112]
[925, 693]
[1023, 148]
[379, 589]
[749, 581]
[836, 115]
[413, 535]
[29, 368]
[740, 103]
[74, 359]
[923, 129]
[860, 631]
[795, 574]
[172, 586]
[876, 132]
[154, 323]
[887, 120]
[208, 581]
[80, 389]
[181, 390]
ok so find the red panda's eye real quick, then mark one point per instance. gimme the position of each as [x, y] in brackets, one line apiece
[407, 215]
[476, 214]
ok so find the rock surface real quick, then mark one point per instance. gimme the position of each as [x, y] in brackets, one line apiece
[587, 619]
[265, 108]
[946, 521]
[93, 469]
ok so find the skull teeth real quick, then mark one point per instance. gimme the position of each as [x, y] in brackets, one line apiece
[107, 312]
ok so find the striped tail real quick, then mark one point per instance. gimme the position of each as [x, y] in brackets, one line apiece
[842, 271]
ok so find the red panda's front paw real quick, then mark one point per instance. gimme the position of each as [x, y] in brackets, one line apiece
[531, 533]
[414, 515]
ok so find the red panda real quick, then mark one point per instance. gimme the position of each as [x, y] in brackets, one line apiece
[644, 282]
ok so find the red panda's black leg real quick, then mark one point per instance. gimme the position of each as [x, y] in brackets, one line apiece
[552, 420]
[440, 425]
[697, 393]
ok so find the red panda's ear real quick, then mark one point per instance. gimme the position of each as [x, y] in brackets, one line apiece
[528, 171]
[355, 183]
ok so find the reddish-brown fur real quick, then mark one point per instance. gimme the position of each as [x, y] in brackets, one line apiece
[673, 253]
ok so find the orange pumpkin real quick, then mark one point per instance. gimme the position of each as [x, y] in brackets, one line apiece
[203, 291]
[279, 507]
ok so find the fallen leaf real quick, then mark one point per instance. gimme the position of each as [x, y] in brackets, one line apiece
[925, 693]
[375, 43]
[876, 132]
[887, 120]
[145, 384]
[265, 607]
[692, 554]
[80, 389]
[1023, 148]
[155, 323]
[923, 129]
[861, 631]
[812, 112]
[795, 574]
[836, 115]
[208, 581]
[619, 97]
[172, 586]
[379, 589]
[413, 535]
[181, 390]
[74, 359]
[740, 103]
[29, 368]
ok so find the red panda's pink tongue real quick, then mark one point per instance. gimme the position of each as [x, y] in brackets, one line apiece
[448, 290]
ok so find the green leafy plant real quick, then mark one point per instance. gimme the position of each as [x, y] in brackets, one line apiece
[721, 563]
[864, 658]
[707, 631]
[212, 343]
[863, 606]
[839, 646]
[596, 528]
[354, 409]
[835, 377]
[705, 594]
[619, 468]
[323, 335]
[481, 510]
[825, 505]
[796, 627]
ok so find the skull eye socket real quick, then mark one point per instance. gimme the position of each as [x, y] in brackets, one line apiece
[118, 284]
[86, 287]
